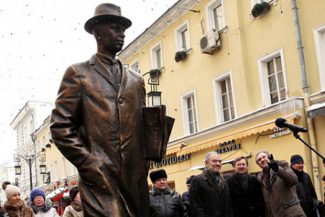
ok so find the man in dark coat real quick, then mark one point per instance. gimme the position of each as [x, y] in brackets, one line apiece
[305, 189]
[97, 124]
[246, 192]
[164, 202]
[209, 192]
[278, 186]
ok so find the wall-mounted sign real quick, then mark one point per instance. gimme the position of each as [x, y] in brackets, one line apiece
[228, 146]
[279, 132]
[170, 160]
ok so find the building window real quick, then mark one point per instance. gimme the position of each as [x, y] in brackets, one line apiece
[156, 55]
[190, 116]
[135, 66]
[216, 18]
[273, 79]
[182, 38]
[225, 99]
[319, 35]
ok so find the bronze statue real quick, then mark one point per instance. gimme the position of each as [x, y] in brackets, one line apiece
[97, 123]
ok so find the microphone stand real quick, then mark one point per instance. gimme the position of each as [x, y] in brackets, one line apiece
[297, 136]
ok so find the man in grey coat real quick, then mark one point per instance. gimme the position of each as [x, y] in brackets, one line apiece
[278, 186]
[97, 123]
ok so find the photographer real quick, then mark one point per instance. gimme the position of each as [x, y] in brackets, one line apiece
[278, 185]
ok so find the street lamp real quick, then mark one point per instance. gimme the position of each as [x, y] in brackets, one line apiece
[29, 159]
[154, 96]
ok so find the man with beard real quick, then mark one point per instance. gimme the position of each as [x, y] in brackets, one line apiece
[245, 190]
[209, 192]
[278, 186]
[97, 123]
[305, 189]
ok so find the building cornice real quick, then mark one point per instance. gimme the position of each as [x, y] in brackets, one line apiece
[291, 108]
[24, 111]
[317, 97]
[172, 14]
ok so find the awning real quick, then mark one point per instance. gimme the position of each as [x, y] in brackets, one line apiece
[316, 110]
[234, 134]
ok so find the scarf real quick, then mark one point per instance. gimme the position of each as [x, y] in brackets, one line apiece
[299, 174]
[266, 176]
[215, 180]
[38, 209]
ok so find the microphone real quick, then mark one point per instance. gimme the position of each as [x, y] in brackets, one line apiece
[282, 123]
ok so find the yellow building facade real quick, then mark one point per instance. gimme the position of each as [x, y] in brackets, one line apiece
[59, 171]
[227, 71]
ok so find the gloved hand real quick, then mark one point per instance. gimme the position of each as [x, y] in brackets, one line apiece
[273, 164]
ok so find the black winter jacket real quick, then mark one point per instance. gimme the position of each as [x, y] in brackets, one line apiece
[306, 193]
[165, 204]
[246, 195]
[209, 198]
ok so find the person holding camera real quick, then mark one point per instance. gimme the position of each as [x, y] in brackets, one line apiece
[278, 186]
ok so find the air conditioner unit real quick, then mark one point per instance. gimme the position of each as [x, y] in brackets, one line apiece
[210, 42]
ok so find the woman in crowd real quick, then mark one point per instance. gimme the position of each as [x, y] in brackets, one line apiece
[15, 206]
[75, 209]
[40, 208]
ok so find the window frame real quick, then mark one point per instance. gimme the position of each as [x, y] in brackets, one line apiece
[179, 38]
[209, 14]
[218, 100]
[153, 56]
[138, 64]
[320, 54]
[262, 65]
[186, 122]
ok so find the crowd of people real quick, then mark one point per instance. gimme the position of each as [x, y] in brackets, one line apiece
[37, 205]
[279, 190]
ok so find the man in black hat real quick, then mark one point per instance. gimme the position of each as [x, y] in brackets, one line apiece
[305, 189]
[164, 202]
[97, 123]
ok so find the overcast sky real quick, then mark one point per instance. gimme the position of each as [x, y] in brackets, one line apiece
[39, 39]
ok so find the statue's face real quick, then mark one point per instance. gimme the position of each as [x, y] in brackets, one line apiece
[111, 36]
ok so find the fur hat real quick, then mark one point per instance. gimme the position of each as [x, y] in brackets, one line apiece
[11, 190]
[36, 192]
[158, 174]
[106, 12]
[73, 192]
[296, 159]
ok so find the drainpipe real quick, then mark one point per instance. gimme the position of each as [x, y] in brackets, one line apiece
[305, 88]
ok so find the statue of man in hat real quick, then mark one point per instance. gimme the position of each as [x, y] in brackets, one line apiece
[97, 123]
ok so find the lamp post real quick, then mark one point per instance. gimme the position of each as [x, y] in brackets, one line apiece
[29, 159]
[154, 96]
